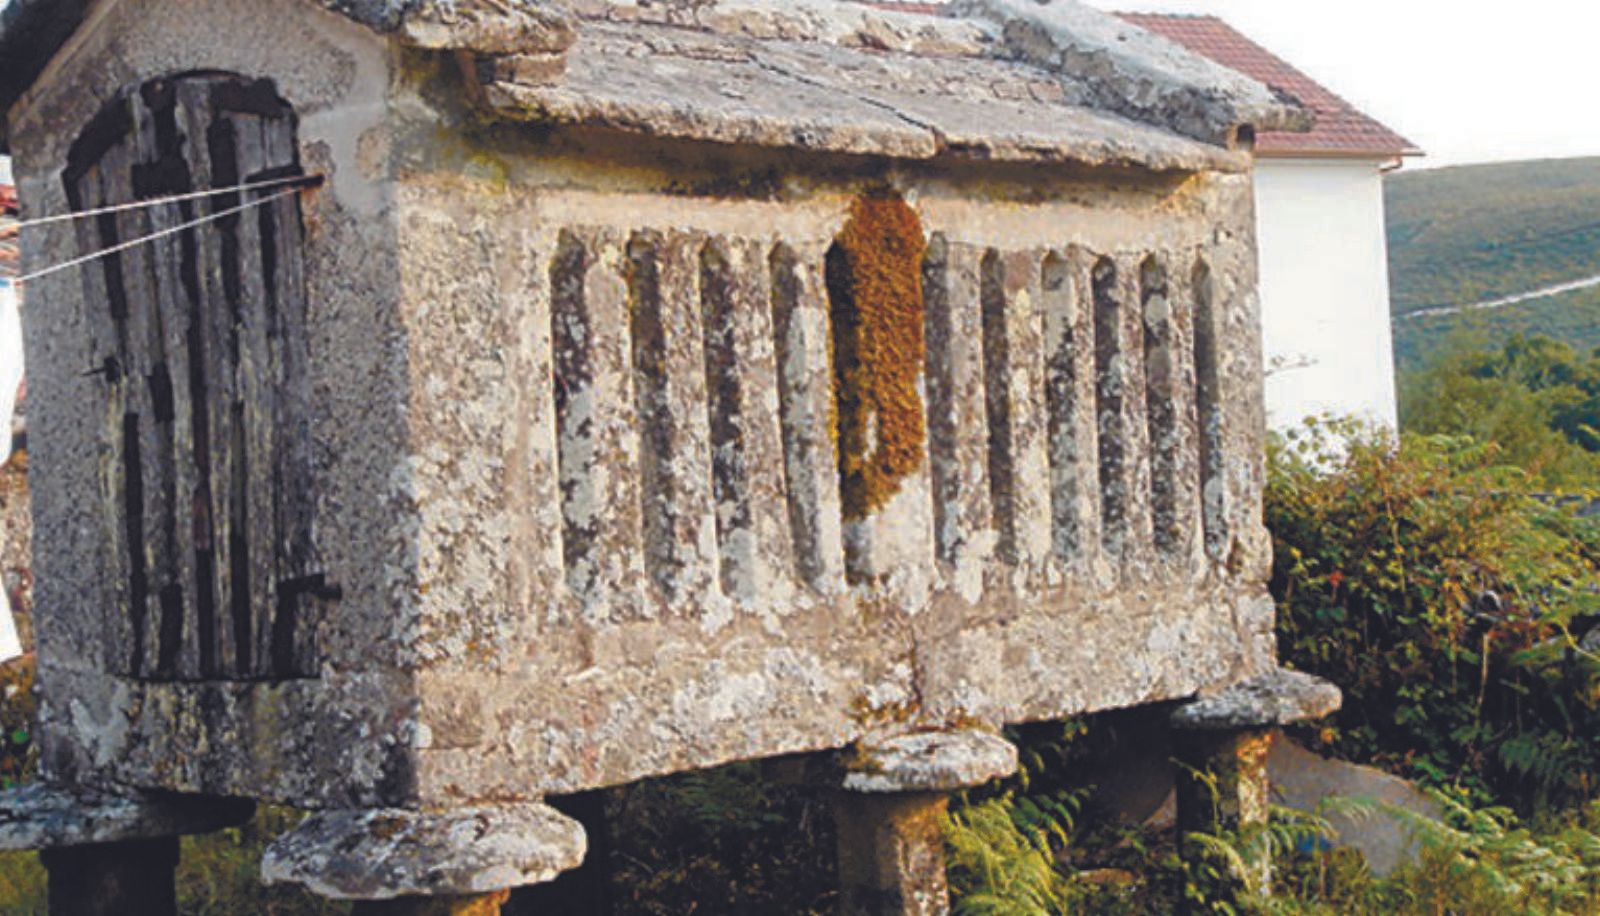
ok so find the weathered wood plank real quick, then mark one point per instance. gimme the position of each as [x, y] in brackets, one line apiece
[302, 586]
[150, 400]
[259, 376]
[163, 170]
[212, 162]
[123, 645]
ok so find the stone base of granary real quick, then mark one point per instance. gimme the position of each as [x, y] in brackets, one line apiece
[110, 854]
[400, 862]
[1221, 744]
[890, 811]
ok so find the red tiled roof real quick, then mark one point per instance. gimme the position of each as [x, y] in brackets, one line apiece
[1340, 130]
[8, 198]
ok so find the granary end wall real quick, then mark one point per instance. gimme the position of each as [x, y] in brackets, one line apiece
[575, 480]
[343, 737]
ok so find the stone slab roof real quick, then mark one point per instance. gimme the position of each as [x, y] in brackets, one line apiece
[1039, 80]
[677, 82]
[1340, 129]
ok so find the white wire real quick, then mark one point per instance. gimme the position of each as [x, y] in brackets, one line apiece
[142, 240]
[176, 198]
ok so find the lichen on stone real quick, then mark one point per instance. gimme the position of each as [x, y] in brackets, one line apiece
[874, 277]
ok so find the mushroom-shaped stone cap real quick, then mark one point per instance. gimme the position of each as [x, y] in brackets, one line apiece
[45, 816]
[1281, 697]
[932, 762]
[386, 853]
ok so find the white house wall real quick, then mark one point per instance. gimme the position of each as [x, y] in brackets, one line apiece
[1325, 290]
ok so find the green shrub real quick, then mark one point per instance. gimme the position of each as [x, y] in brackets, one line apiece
[1425, 580]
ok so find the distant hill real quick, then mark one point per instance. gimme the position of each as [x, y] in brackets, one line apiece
[1474, 233]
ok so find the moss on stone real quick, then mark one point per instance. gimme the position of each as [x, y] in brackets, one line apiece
[875, 293]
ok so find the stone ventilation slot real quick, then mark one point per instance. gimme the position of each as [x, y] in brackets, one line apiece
[1162, 403]
[998, 369]
[653, 405]
[597, 426]
[1062, 346]
[575, 422]
[1110, 391]
[748, 475]
[957, 424]
[801, 342]
[874, 280]
[1208, 396]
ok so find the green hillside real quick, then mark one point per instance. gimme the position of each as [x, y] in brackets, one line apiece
[1467, 234]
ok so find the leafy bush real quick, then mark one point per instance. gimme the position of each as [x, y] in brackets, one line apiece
[1424, 579]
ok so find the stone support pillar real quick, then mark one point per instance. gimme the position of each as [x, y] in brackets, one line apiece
[400, 862]
[110, 854]
[890, 813]
[113, 879]
[1221, 743]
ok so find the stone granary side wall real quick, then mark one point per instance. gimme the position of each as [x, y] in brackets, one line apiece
[576, 400]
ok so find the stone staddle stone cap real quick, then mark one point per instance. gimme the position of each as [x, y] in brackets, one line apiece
[45, 816]
[387, 853]
[1282, 697]
[932, 762]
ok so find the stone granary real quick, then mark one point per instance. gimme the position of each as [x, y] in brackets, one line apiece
[477, 402]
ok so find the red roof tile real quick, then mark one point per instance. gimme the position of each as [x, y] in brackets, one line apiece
[1340, 130]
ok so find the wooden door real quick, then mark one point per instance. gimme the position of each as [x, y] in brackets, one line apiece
[201, 352]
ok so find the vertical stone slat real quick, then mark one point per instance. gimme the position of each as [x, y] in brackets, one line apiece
[958, 411]
[1069, 346]
[533, 481]
[1014, 370]
[747, 453]
[1213, 481]
[596, 425]
[1186, 424]
[1110, 397]
[804, 364]
[1167, 408]
[669, 388]
[1139, 550]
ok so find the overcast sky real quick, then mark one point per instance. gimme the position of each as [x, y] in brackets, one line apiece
[1467, 81]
